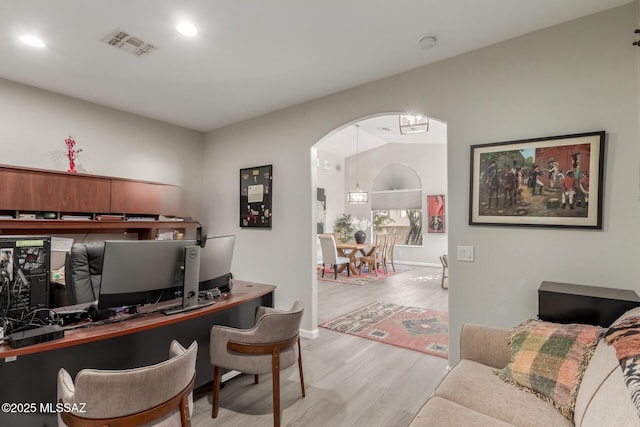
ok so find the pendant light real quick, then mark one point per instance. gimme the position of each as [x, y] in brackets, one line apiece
[357, 196]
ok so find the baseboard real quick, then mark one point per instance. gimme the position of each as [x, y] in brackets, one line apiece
[312, 335]
[228, 375]
[419, 264]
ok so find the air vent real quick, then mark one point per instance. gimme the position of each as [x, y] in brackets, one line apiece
[128, 43]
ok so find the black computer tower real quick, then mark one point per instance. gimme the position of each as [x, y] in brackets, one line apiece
[24, 274]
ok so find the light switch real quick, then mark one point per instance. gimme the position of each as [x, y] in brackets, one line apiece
[465, 253]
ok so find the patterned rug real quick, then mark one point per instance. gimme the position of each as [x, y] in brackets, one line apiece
[418, 329]
[365, 278]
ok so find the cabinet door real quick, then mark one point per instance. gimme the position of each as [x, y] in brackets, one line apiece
[131, 197]
[172, 201]
[84, 194]
[28, 190]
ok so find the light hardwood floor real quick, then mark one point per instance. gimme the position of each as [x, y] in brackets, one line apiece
[350, 381]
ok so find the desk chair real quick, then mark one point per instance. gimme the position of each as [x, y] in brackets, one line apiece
[83, 272]
[156, 395]
[268, 347]
[330, 255]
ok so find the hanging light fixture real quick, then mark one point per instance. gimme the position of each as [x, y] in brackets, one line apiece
[411, 123]
[357, 196]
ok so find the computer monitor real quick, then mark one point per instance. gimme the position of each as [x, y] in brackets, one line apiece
[136, 272]
[215, 262]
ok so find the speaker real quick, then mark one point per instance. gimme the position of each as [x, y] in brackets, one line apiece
[229, 285]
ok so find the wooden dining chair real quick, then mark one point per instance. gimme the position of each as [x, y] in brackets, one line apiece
[444, 259]
[387, 254]
[374, 259]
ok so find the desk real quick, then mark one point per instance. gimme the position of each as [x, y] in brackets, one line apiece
[141, 341]
[350, 250]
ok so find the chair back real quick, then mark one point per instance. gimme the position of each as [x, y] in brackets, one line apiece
[83, 272]
[276, 326]
[380, 240]
[132, 396]
[444, 259]
[391, 243]
[329, 251]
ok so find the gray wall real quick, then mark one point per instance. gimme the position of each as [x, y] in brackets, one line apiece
[34, 124]
[576, 77]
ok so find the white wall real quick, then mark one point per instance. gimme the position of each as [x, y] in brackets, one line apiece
[429, 161]
[332, 180]
[576, 77]
[34, 124]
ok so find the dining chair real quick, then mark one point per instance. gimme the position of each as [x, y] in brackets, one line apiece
[391, 244]
[387, 254]
[444, 259]
[374, 259]
[330, 255]
[268, 347]
[159, 394]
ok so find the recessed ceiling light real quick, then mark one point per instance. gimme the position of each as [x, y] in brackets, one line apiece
[32, 40]
[187, 29]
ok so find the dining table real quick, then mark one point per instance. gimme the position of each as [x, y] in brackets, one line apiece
[351, 250]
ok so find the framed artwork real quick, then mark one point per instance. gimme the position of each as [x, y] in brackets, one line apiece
[256, 191]
[543, 182]
[435, 209]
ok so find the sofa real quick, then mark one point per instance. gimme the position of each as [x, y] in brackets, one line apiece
[471, 394]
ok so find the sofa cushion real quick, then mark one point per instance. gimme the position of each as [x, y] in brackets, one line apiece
[439, 412]
[475, 386]
[549, 359]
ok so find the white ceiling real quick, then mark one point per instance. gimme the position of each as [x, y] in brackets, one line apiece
[377, 131]
[251, 56]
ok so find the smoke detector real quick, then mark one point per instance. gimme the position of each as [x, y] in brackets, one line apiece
[128, 43]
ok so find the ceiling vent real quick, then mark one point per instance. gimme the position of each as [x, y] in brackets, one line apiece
[129, 43]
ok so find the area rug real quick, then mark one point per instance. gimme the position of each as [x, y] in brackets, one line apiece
[418, 329]
[366, 278]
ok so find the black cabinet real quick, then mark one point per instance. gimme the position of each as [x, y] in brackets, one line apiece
[568, 303]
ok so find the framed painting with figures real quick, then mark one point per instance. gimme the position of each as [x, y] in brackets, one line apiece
[542, 182]
[256, 190]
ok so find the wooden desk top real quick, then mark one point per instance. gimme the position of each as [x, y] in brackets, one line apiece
[241, 292]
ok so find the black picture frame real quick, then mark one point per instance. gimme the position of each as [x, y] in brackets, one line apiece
[256, 193]
[503, 191]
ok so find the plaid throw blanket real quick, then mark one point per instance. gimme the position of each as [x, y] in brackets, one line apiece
[549, 359]
[625, 339]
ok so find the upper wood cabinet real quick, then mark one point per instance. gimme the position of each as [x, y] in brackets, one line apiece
[84, 194]
[39, 190]
[28, 190]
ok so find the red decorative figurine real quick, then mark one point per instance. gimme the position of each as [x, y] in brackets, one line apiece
[72, 154]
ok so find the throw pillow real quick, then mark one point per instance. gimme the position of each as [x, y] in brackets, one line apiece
[549, 359]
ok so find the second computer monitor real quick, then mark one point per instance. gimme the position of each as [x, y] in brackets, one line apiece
[215, 262]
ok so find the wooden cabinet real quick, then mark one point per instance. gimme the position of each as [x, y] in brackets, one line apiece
[144, 198]
[83, 194]
[28, 190]
[34, 191]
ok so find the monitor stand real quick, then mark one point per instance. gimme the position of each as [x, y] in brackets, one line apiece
[191, 282]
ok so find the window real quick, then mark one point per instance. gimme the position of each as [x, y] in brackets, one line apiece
[396, 203]
[405, 223]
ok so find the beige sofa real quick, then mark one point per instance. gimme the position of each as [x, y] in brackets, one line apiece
[472, 395]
